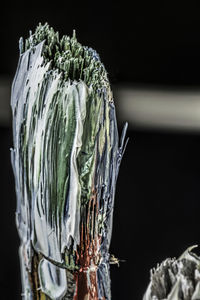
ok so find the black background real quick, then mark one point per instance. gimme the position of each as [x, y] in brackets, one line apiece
[158, 193]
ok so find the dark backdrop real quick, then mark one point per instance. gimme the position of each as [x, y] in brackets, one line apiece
[158, 194]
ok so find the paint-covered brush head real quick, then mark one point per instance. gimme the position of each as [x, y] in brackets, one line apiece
[176, 279]
[66, 157]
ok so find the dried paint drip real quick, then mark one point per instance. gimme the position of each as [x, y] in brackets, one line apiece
[66, 158]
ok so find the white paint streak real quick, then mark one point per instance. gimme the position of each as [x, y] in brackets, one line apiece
[73, 220]
[52, 279]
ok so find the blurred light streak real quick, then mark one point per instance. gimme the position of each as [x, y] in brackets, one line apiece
[156, 108]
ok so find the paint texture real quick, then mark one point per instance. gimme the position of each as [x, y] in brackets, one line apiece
[66, 157]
